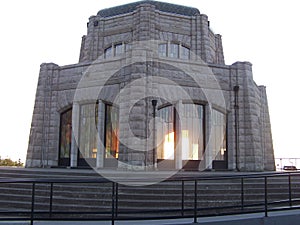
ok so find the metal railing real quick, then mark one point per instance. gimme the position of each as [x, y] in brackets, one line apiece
[282, 162]
[275, 191]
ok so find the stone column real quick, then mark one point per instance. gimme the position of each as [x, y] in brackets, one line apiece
[267, 143]
[208, 130]
[100, 135]
[205, 43]
[41, 140]
[178, 147]
[75, 131]
[219, 50]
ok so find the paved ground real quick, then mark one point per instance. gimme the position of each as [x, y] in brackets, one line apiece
[291, 217]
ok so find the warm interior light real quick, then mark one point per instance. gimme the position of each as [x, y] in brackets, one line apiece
[188, 152]
[195, 152]
[169, 146]
[185, 144]
[223, 151]
[94, 153]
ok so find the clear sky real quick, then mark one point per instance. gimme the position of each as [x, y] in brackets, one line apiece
[266, 33]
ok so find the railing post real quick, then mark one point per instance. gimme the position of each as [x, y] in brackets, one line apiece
[195, 203]
[182, 197]
[32, 203]
[266, 196]
[242, 192]
[290, 191]
[113, 204]
[51, 200]
[117, 199]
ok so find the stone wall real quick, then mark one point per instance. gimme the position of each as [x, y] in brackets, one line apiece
[148, 23]
[249, 138]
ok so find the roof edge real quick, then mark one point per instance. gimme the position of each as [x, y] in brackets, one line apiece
[162, 6]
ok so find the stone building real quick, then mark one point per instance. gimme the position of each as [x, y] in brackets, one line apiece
[151, 90]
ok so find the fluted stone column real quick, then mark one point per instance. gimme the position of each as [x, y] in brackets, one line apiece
[75, 131]
[100, 135]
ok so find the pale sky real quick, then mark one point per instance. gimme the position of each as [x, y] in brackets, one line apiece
[263, 32]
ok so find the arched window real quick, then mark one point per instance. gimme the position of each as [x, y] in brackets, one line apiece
[111, 132]
[192, 132]
[119, 49]
[184, 52]
[165, 133]
[162, 50]
[116, 49]
[88, 131]
[108, 52]
[65, 138]
[174, 50]
[218, 135]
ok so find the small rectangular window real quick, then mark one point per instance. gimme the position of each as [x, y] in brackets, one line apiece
[174, 51]
[185, 52]
[118, 49]
[162, 50]
[128, 46]
[108, 53]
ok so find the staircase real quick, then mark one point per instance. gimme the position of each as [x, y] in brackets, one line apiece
[166, 199]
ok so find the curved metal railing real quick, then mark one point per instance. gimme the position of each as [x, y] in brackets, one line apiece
[275, 191]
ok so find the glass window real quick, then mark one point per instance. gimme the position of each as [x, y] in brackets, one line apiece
[118, 49]
[111, 132]
[192, 132]
[88, 132]
[65, 134]
[162, 50]
[185, 52]
[174, 50]
[128, 46]
[165, 133]
[108, 53]
[218, 135]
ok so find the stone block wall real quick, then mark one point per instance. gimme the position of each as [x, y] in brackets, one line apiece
[148, 23]
[249, 138]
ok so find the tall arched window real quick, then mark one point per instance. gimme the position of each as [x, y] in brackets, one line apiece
[165, 134]
[192, 132]
[88, 132]
[65, 138]
[218, 135]
[111, 132]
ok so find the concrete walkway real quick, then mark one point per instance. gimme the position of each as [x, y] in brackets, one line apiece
[291, 217]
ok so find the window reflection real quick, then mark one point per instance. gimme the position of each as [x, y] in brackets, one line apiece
[108, 53]
[218, 135]
[165, 133]
[162, 50]
[118, 49]
[111, 132]
[192, 133]
[88, 133]
[65, 134]
[174, 50]
[185, 52]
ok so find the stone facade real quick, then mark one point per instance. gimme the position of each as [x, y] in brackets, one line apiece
[139, 74]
